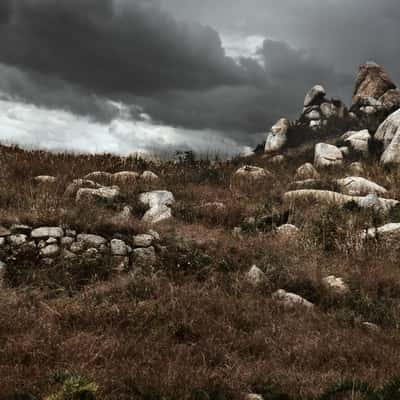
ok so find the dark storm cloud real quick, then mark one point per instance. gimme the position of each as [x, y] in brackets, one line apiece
[133, 48]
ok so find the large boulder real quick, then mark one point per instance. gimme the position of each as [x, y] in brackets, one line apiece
[327, 155]
[277, 137]
[372, 201]
[92, 196]
[357, 186]
[359, 141]
[388, 134]
[315, 96]
[307, 171]
[372, 81]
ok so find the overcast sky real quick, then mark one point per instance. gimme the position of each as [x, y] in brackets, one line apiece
[138, 75]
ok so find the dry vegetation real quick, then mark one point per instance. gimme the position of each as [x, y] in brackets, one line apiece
[194, 328]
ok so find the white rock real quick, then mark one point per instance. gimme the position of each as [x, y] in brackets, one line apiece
[359, 141]
[77, 184]
[288, 231]
[50, 251]
[357, 186]
[97, 176]
[329, 110]
[149, 176]
[313, 115]
[143, 240]
[335, 285]
[327, 155]
[253, 396]
[51, 240]
[45, 179]
[91, 240]
[118, 248]
[255, 276]
[388, 134]
[125, 177]
[157, 214]
[291, 300]
[385, 231]
[314, 96]
[249, 171]
[277, 137]
[315, 124]
[328, 197]
[157, 198]
[104, 194]
[145, 256]
[307, 171]
[17, 240]
[47, 232]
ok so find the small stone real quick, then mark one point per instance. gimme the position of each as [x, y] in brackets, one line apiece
[255, 276]
[371, 327]
[47, 232]
[120, 264]
[146, 256]
[45, 179]
[254, 173]
[155, 234]
[149, 176]
[125, 177]
[99, 176]
[288, 231]
[118, 248]
[335, 285]
[253, 396]
[50, 251]
[157, 214]
[17, 229]
[92, 196]
[51, 240]
[291, 300]
[67, 241]
[143, 240]
[17, 240]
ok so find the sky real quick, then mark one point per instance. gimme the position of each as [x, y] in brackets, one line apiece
[128, 76]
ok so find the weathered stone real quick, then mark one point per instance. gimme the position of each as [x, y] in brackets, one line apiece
[125, 178]
[277, 137]
[143, 240]
[255, 276]
[372, 81]
[46, 232]
[335, 285]
[50, 251]
[251, 172]
[307, 171]
[291, 300]
[51, 240]
[157, 215]
[17, 240]
[91, 240]
[157, 198]
[357, 186]
[68, 255]
[328, 197]
[70, 233]
[327, 155]
[99, 177]
[329, 110]
[77, 184]
[118, 248]
[388, 134]
[288, 231]
[104, 194]
[315, 96]
[149, 176]
[359, 141]
[145, 256]
[45, 180]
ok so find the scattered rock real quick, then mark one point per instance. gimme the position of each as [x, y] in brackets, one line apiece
[255, 276]
[371, 327]
[104, 194]
[291, 300]
[251, 172]
[91, 240]
[388, 134]
[157, 198]
[50, 251]
[253, 396]
[335, 285]
[327, 155]
[77, 184]
[143, 240]
[357, 186]
[307, 171]
[118, 248]
[149, 176]
[157, 215]
[359, 141]
[125, 178]
[47, 232]
[277, 137]
[17, 240]
[45, 180]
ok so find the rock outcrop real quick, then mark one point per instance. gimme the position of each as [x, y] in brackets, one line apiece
[388, 134]
[159, 203]
[358, 141]
[357, 186]
[277, 137]
[327, 155]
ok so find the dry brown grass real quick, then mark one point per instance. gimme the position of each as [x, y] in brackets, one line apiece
[195, 329]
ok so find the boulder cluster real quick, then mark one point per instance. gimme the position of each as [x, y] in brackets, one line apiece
[49, 244]
[373, 118]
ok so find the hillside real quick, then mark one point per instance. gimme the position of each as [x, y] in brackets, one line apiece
[270, 276]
